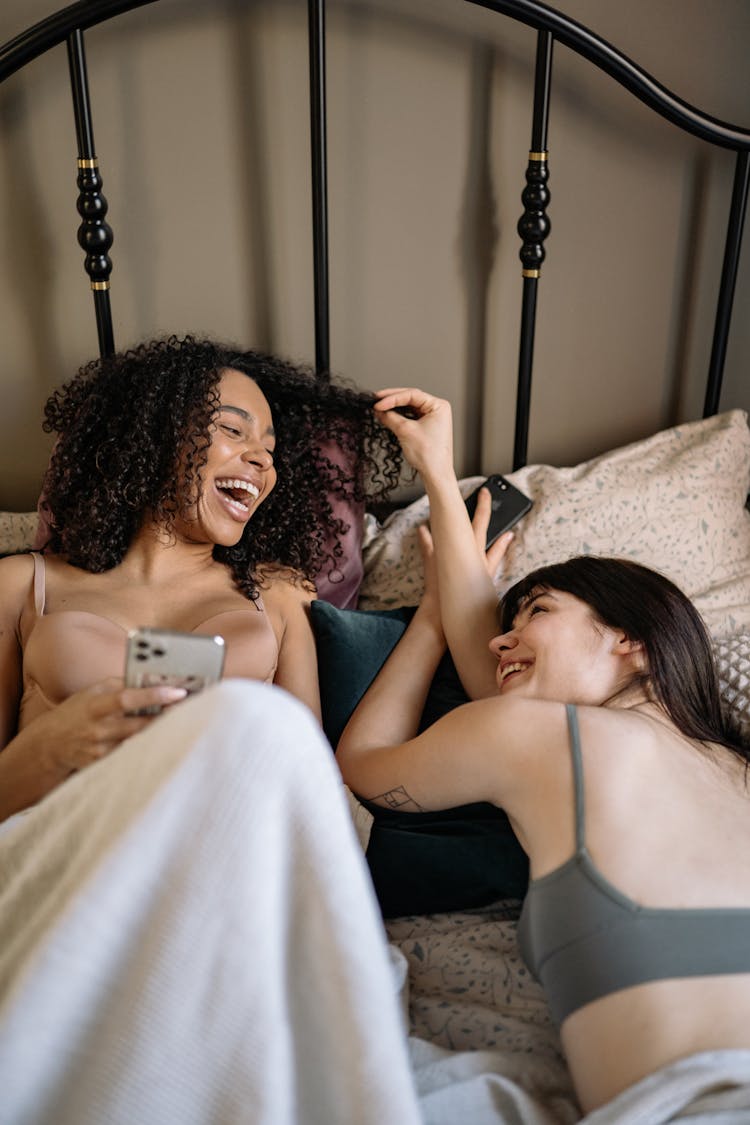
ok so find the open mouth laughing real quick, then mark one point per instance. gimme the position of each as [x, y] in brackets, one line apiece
[510, 670]
[238, 496]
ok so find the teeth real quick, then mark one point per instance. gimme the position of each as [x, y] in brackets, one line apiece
[511, 668]
[232, 482]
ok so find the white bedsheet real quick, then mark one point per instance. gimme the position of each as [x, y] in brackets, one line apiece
[491, 1088]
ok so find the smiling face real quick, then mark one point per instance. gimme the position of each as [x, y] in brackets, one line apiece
[558, 650]
[239, 473]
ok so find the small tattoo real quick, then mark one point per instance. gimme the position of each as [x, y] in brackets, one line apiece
[397, 798]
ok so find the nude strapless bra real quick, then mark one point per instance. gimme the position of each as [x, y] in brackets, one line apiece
[68, 650]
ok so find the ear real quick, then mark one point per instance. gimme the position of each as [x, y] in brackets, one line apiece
[624, 646]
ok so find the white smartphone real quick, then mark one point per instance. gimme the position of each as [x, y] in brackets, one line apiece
[157, 657]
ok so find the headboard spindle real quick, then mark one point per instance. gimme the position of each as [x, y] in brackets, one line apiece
[732, 246]
[94, 234]
[319, 171]
[533, 228]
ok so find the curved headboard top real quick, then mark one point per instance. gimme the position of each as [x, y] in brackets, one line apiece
[471, 205]
[54, 29]
[613, 62]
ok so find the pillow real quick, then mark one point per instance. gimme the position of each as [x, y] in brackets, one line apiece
[352, 646]
[420, 863]
[455, 859]
[674, 502]
[18, 532]
[733, 665]
[341, 586]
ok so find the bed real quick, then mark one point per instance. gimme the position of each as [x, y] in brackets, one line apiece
[674, 499]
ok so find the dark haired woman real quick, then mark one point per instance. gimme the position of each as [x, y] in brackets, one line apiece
[596, 725]
[187, 931]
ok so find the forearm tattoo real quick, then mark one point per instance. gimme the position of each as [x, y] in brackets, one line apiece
[397, 799]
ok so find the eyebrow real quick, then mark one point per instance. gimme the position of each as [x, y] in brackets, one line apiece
[528, 602]
[244, 414]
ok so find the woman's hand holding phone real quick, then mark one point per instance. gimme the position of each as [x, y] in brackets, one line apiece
[90, 724]
[492, 549]
[190, 661]
[503, 505]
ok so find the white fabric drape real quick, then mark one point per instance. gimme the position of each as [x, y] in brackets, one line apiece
[188, 934]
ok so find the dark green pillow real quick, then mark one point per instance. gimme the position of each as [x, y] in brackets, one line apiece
[420, 863]
[455, 859]
[352, 646]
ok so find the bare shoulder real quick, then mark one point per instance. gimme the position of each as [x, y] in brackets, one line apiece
[524, 736]
[538, 728]
[16, 575]
[285, 591]
[622, 738]
[287, 596]
[16, 580]
[512, 749]
[528, 726]
[629, 757]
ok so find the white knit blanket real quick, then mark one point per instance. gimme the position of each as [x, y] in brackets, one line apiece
[188, 935]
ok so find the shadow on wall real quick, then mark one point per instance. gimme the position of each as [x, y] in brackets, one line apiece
[25, 447]
[29, 244]
[252, 226]
[253, 156]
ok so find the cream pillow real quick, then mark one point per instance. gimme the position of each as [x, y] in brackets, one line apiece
[17, 531]
[675, 502]
[733, 665]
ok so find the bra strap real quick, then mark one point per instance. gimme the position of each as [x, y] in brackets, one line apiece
[39, 583]
[577, 760]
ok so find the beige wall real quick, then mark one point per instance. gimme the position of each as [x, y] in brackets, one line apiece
[201, 123]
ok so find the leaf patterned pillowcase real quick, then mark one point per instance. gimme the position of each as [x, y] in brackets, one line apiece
[17, 531]
[674, 502]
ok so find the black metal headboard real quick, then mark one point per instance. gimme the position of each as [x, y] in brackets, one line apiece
[95, 235]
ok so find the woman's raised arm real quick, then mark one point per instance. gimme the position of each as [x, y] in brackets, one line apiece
[478, 752]
[468, 600]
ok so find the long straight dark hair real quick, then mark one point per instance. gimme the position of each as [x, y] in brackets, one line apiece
[650, 609]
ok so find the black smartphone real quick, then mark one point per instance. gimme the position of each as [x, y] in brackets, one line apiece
[509, 504]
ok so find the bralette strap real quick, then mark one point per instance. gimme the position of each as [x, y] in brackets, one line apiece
[577, 760]
[39, 583]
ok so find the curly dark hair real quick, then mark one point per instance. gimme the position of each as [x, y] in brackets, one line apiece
[133, 434]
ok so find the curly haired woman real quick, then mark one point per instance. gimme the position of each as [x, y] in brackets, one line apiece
[188, 478]
[187, 930]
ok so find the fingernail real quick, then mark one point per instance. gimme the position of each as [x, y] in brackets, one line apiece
[171, 694]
